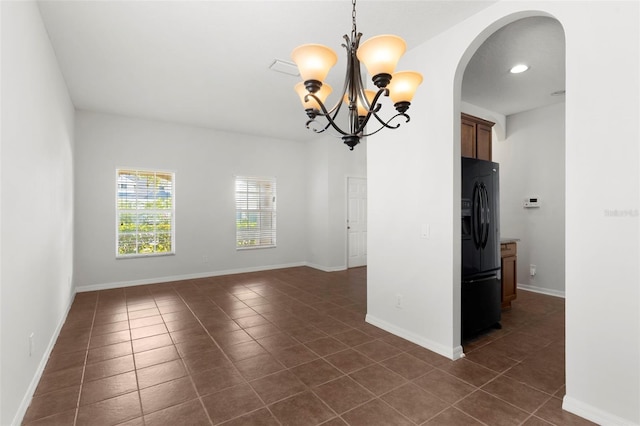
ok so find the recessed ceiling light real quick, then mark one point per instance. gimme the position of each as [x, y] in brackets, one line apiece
[517, 69]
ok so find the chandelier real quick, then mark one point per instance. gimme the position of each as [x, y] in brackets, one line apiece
[379, 55]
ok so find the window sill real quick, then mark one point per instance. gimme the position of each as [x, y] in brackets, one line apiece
[142, 256]
[254, 248]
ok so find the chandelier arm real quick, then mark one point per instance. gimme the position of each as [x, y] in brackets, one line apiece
[372, 108]
[333, 112]
[326, 128]
[385, 125]
[326, 114]
[322, 130]
[315, 130]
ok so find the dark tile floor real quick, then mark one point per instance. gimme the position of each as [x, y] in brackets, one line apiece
[289, 347]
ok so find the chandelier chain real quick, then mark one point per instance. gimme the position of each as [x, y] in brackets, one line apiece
[353, 18]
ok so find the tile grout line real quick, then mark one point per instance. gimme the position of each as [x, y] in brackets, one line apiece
[223, 353]
[504, 374]
[307, 388]
[86, 357]
[300, 301]
[133, 355]
[465, 412]
[153, 297]
[480, 388]
[267, 406]
[204, 408]
[135, 367]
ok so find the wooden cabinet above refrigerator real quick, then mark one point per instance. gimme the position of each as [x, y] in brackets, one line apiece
[475, 137]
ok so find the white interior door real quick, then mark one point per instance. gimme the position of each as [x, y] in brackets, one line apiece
[357, 222]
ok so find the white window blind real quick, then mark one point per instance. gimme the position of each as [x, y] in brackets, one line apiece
[145, 214]
[255, 212]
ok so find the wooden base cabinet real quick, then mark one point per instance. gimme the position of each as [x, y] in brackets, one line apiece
[508, 252]
[475, 137]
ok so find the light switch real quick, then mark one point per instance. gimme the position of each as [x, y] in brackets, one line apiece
[425, 231]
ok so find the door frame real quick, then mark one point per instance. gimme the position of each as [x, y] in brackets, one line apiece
[346, 217]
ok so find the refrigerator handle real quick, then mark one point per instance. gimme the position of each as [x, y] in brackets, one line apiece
[487, 211]
[482, 214]
[476, 215]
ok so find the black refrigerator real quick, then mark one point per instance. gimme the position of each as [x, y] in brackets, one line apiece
[481, 287]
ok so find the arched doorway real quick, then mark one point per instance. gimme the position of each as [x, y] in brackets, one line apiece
[529, 146]
[528, 137]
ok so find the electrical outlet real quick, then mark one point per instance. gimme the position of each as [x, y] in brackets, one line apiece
[425, 231]
[532, 270]
[398, 301]
[205, 259]
[31, 344]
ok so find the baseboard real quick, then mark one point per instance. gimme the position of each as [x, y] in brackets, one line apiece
[31, 390]
[166, 279]
[541, 290]
[326, 268]
[451, 353]
[593, 414]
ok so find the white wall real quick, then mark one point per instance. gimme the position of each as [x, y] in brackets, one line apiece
[602, 173]
[311, 198]
[329, 164]
[205, 162]
[414, 178]
[37, 203]
[318, 209]
[532, 163]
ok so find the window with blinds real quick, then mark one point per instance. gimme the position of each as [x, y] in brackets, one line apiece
[145, 213]
[255, 212]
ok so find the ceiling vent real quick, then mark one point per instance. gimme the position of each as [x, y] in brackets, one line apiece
[284, 67]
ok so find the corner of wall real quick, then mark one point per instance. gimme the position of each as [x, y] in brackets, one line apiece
[592, 413]
[451, 353]
[28, 396]
[500, 128]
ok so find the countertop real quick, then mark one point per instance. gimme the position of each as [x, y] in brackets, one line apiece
[509, 240]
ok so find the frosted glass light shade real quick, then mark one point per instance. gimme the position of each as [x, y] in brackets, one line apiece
[380, 54]
[314, 61]
[362, 109]
[322, 94]
[404, 85]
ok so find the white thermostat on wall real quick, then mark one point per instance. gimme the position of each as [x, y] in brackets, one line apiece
[531, 202]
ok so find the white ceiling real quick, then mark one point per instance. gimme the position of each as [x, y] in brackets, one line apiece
[206, 63]
[537, 42]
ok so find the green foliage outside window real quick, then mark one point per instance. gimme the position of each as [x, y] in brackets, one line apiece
[145, 212]
[144, 243]
[246, 227]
